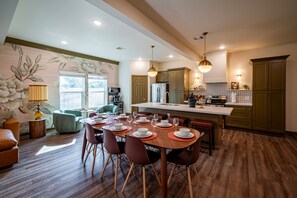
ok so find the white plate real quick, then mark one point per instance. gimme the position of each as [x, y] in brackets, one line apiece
[137, 134]
[114, 129]
[121, 117]
[142, 121]
[99, 122]
[178, 134]
[167, 125]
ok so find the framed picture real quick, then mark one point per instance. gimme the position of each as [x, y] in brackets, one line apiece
[234, 85]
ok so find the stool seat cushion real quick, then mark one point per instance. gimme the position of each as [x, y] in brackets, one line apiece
[7, 140]
[202, 123]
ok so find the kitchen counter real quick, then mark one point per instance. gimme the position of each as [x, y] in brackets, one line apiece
[239, 104]
[215, 114]
[186, 108]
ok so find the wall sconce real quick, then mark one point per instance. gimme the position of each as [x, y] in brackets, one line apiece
[238, 76]
[196, 77]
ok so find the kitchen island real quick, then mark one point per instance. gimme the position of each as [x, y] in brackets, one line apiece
[215, 114]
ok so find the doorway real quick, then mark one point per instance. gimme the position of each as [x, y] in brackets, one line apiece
[139, 90]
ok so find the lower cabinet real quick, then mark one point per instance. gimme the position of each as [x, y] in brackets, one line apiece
[241, 117]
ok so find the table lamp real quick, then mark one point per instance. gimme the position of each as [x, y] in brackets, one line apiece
[38, 93]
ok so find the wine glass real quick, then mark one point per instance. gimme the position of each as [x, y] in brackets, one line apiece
[154, 123]
[175, 122]
[134, 114]
[168, 116]
[129, 119]
[156, 117]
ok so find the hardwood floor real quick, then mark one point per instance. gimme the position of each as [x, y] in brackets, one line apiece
[246, 165]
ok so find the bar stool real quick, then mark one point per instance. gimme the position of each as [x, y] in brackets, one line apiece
[205, 126]
[183, 121]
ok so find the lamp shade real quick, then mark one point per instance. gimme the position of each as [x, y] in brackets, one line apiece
[38, 93]
[204, 66]
[152, 72]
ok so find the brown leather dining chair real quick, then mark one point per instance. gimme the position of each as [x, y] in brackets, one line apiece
[138, 154]
[185, 157]
[92, 142]
[113, 148]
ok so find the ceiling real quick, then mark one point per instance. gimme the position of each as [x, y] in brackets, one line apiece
[135, 25]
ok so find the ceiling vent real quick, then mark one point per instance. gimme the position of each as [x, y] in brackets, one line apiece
[120, 48]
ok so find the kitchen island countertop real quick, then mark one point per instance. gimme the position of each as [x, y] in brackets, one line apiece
[186, 108]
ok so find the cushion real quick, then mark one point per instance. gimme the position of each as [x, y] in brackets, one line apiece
[3, 116]
[7, 140]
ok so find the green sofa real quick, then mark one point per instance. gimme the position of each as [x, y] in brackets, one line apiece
[66, 121]
[107, 109]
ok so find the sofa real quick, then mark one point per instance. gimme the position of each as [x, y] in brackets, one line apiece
[107, 109]
[9, 139]
[67, 121]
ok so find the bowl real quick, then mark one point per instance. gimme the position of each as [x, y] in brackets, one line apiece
[184, 131]
[142, 118]
[118, 126]
[99, 114]
[164, 122]
[142, 131]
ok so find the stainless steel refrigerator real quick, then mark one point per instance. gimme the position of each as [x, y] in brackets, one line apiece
[159, 92]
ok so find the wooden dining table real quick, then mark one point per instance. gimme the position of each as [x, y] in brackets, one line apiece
[162, 142]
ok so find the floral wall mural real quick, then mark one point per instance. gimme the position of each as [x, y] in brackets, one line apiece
[21, 66]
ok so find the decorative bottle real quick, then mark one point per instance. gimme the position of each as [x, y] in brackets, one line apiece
[192, 101]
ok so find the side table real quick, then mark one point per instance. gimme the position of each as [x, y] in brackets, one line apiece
[37, 128]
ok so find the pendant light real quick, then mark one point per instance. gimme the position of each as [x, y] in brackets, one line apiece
[152, 72]
[204, 66]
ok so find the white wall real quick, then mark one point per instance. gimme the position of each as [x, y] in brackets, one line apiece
[241, 60]
[126, 70]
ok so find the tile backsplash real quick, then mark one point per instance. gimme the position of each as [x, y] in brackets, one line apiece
[243, 95]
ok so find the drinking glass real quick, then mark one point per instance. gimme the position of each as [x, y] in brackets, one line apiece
[154, 123]
[168, 116]
[156, 117]
[175, 122]
[134, 114]
[129, 119]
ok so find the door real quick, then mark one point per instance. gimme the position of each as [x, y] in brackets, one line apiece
[260, 76]
[277, 75]
[139, 90]
[277, 106]
[260, 112]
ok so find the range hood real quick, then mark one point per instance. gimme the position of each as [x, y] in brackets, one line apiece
[219, 71]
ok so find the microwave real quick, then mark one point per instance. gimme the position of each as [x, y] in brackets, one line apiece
[114, 90]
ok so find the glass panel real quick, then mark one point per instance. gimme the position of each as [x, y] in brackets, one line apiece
[71, 100]
[97, 92]
[96, 99]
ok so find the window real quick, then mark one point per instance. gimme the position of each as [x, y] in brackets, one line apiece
[97, 91]
[82, 91]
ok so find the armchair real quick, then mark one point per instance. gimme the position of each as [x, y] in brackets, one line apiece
[107, 108]
[67, 121]
[9, 138]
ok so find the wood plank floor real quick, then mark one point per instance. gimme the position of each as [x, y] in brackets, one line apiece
[246, 165]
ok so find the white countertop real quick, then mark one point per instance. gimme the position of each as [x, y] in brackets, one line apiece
[239, 104]
[185, 107]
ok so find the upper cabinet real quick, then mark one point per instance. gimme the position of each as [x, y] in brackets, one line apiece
[162, 77]
[178, 84]
[219, 71]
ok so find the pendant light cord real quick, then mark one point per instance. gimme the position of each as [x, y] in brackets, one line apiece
[152, 55]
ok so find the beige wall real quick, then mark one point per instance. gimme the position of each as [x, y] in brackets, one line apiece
[241, 60]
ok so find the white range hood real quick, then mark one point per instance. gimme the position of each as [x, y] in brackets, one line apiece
[219, 71]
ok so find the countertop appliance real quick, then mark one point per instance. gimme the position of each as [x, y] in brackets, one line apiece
[218, 100]
[159, 92]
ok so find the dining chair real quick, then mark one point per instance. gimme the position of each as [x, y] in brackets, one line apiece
[93, 140]
[113, 147]
[138, 154]
[185, 157]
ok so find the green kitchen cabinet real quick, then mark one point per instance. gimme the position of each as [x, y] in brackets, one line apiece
[178, 84]
[269, 90]
[162, 77]
[241, 117]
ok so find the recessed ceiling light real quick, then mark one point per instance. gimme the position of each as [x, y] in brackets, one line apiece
[64, 42]
[139, 58]
[98, 23]
[170, 56]
[222, 47]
